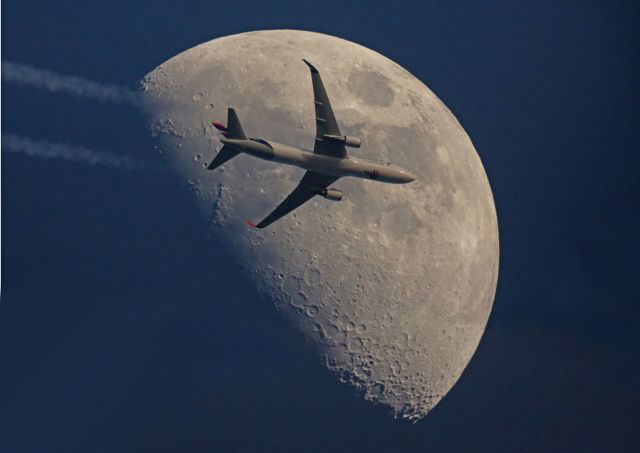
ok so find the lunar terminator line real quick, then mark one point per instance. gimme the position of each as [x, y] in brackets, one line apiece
[326, 164]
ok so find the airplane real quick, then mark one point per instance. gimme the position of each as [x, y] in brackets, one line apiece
[327, 163]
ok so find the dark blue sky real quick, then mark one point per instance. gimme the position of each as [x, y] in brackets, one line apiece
[119, 330]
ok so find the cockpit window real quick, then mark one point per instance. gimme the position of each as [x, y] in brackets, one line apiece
[264, 142]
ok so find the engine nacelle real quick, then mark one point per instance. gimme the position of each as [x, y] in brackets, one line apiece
[351, 142]
[331, 194]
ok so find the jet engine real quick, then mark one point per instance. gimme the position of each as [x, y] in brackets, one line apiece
[331, 194]
[351, 142]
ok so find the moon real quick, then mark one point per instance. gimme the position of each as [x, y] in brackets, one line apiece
[394, 284]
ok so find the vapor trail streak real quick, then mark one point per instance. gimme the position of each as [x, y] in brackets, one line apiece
[47, 150]
[20, 74]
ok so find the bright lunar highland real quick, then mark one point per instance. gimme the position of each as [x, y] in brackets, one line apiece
[395, 283]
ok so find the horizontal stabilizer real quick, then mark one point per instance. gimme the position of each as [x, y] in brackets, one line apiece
[226, 153]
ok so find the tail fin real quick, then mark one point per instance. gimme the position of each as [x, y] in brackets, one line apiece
[233, 131]
[233, 126]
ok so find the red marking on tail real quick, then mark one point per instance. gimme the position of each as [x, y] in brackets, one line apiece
[218, 125]
[250, 223]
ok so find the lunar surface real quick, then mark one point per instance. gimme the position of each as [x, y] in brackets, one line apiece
[395, 283]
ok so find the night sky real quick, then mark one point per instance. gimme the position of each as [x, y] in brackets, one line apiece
[125, 328]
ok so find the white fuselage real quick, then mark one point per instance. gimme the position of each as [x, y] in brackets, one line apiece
[347, 166]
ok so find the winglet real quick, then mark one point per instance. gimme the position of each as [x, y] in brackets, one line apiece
[312, 67]
[250, 223]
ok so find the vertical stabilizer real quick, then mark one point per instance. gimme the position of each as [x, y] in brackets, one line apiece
[234, 127]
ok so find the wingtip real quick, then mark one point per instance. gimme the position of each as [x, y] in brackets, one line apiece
[312, 67]
[250, 223]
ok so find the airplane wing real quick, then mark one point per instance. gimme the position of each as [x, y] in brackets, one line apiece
[325, 120]
[308, 188]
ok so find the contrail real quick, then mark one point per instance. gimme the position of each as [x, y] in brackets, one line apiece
[47, 150]
[20, 74]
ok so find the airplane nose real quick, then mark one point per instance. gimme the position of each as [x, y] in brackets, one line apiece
[402, 175]
[407, 176]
